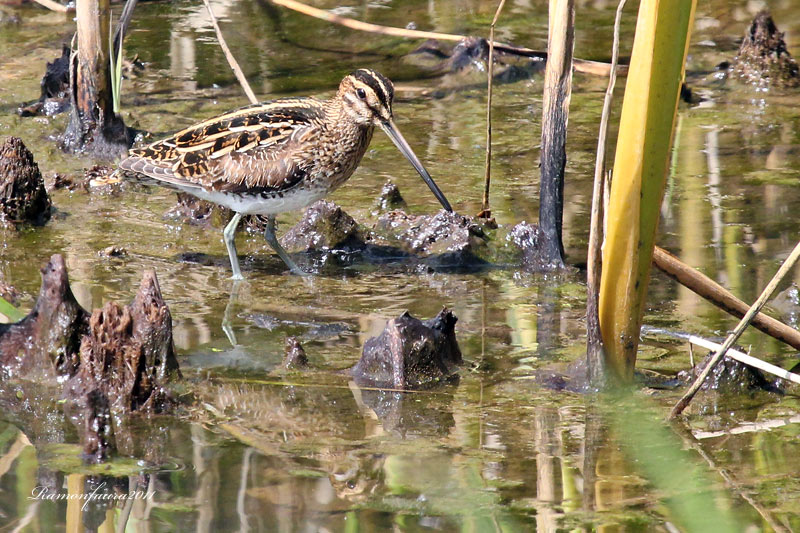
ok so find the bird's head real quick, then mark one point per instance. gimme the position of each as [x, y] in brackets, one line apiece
[367, 96]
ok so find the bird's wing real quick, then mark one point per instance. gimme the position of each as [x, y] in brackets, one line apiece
[262, 147]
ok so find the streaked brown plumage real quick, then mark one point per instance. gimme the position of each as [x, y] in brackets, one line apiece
[277, 156]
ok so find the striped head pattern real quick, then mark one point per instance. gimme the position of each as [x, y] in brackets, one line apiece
[367, 96]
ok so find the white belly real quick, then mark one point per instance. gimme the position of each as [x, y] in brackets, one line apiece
[272, 204]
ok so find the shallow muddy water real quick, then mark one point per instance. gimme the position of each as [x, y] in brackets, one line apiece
[496, 451]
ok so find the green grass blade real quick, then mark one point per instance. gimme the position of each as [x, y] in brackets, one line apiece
[9, 311]
[115, 60]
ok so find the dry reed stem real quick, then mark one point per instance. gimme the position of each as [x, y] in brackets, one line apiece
[55, 6]
[718, 295]
[594, 341]
[229, 56]
[485, 211]
[581, 65]
[737, 332]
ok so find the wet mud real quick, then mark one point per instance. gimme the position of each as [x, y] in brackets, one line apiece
[324, 226]
[441, 241]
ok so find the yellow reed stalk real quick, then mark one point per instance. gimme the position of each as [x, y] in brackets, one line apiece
[640, 167]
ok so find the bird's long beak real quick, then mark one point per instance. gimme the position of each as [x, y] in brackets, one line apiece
[398, 140]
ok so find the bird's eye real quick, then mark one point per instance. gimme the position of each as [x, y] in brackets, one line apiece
[361, 93]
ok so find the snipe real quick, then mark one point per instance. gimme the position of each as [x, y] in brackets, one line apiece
[278, 156]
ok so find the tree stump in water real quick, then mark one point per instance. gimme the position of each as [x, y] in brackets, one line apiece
[763, 59]
[45, 343]
[54, 97]
[115, 361]
[295, 357]
[23, 197]
[410, 353]
[93, 126]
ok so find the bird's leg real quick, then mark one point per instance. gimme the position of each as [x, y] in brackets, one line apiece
[269, 235]
[229, 235]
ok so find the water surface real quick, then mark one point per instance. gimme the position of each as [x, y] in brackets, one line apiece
[497, 450]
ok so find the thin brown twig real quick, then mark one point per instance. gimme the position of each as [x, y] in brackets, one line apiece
[55, 6]
[229, 56]
[594, 348]
[580, 65]
[740, 327]
[485, 211]
[702, 285]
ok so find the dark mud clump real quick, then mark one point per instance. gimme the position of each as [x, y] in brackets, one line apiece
[8, 292]
[410, 353]
[445, 238]
[763, 60]
[450, 240]
[787, 303]
[470, 57]
[389, 198]
[295, 358]
[23, 197]
[324, 226]
[468, 50]
[57, 181]
[114, 361]
[525, 237]
[197, 212]
[463, 55]
[54, 98]
[730, 377]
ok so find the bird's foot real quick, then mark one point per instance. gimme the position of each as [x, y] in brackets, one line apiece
[298, 272]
